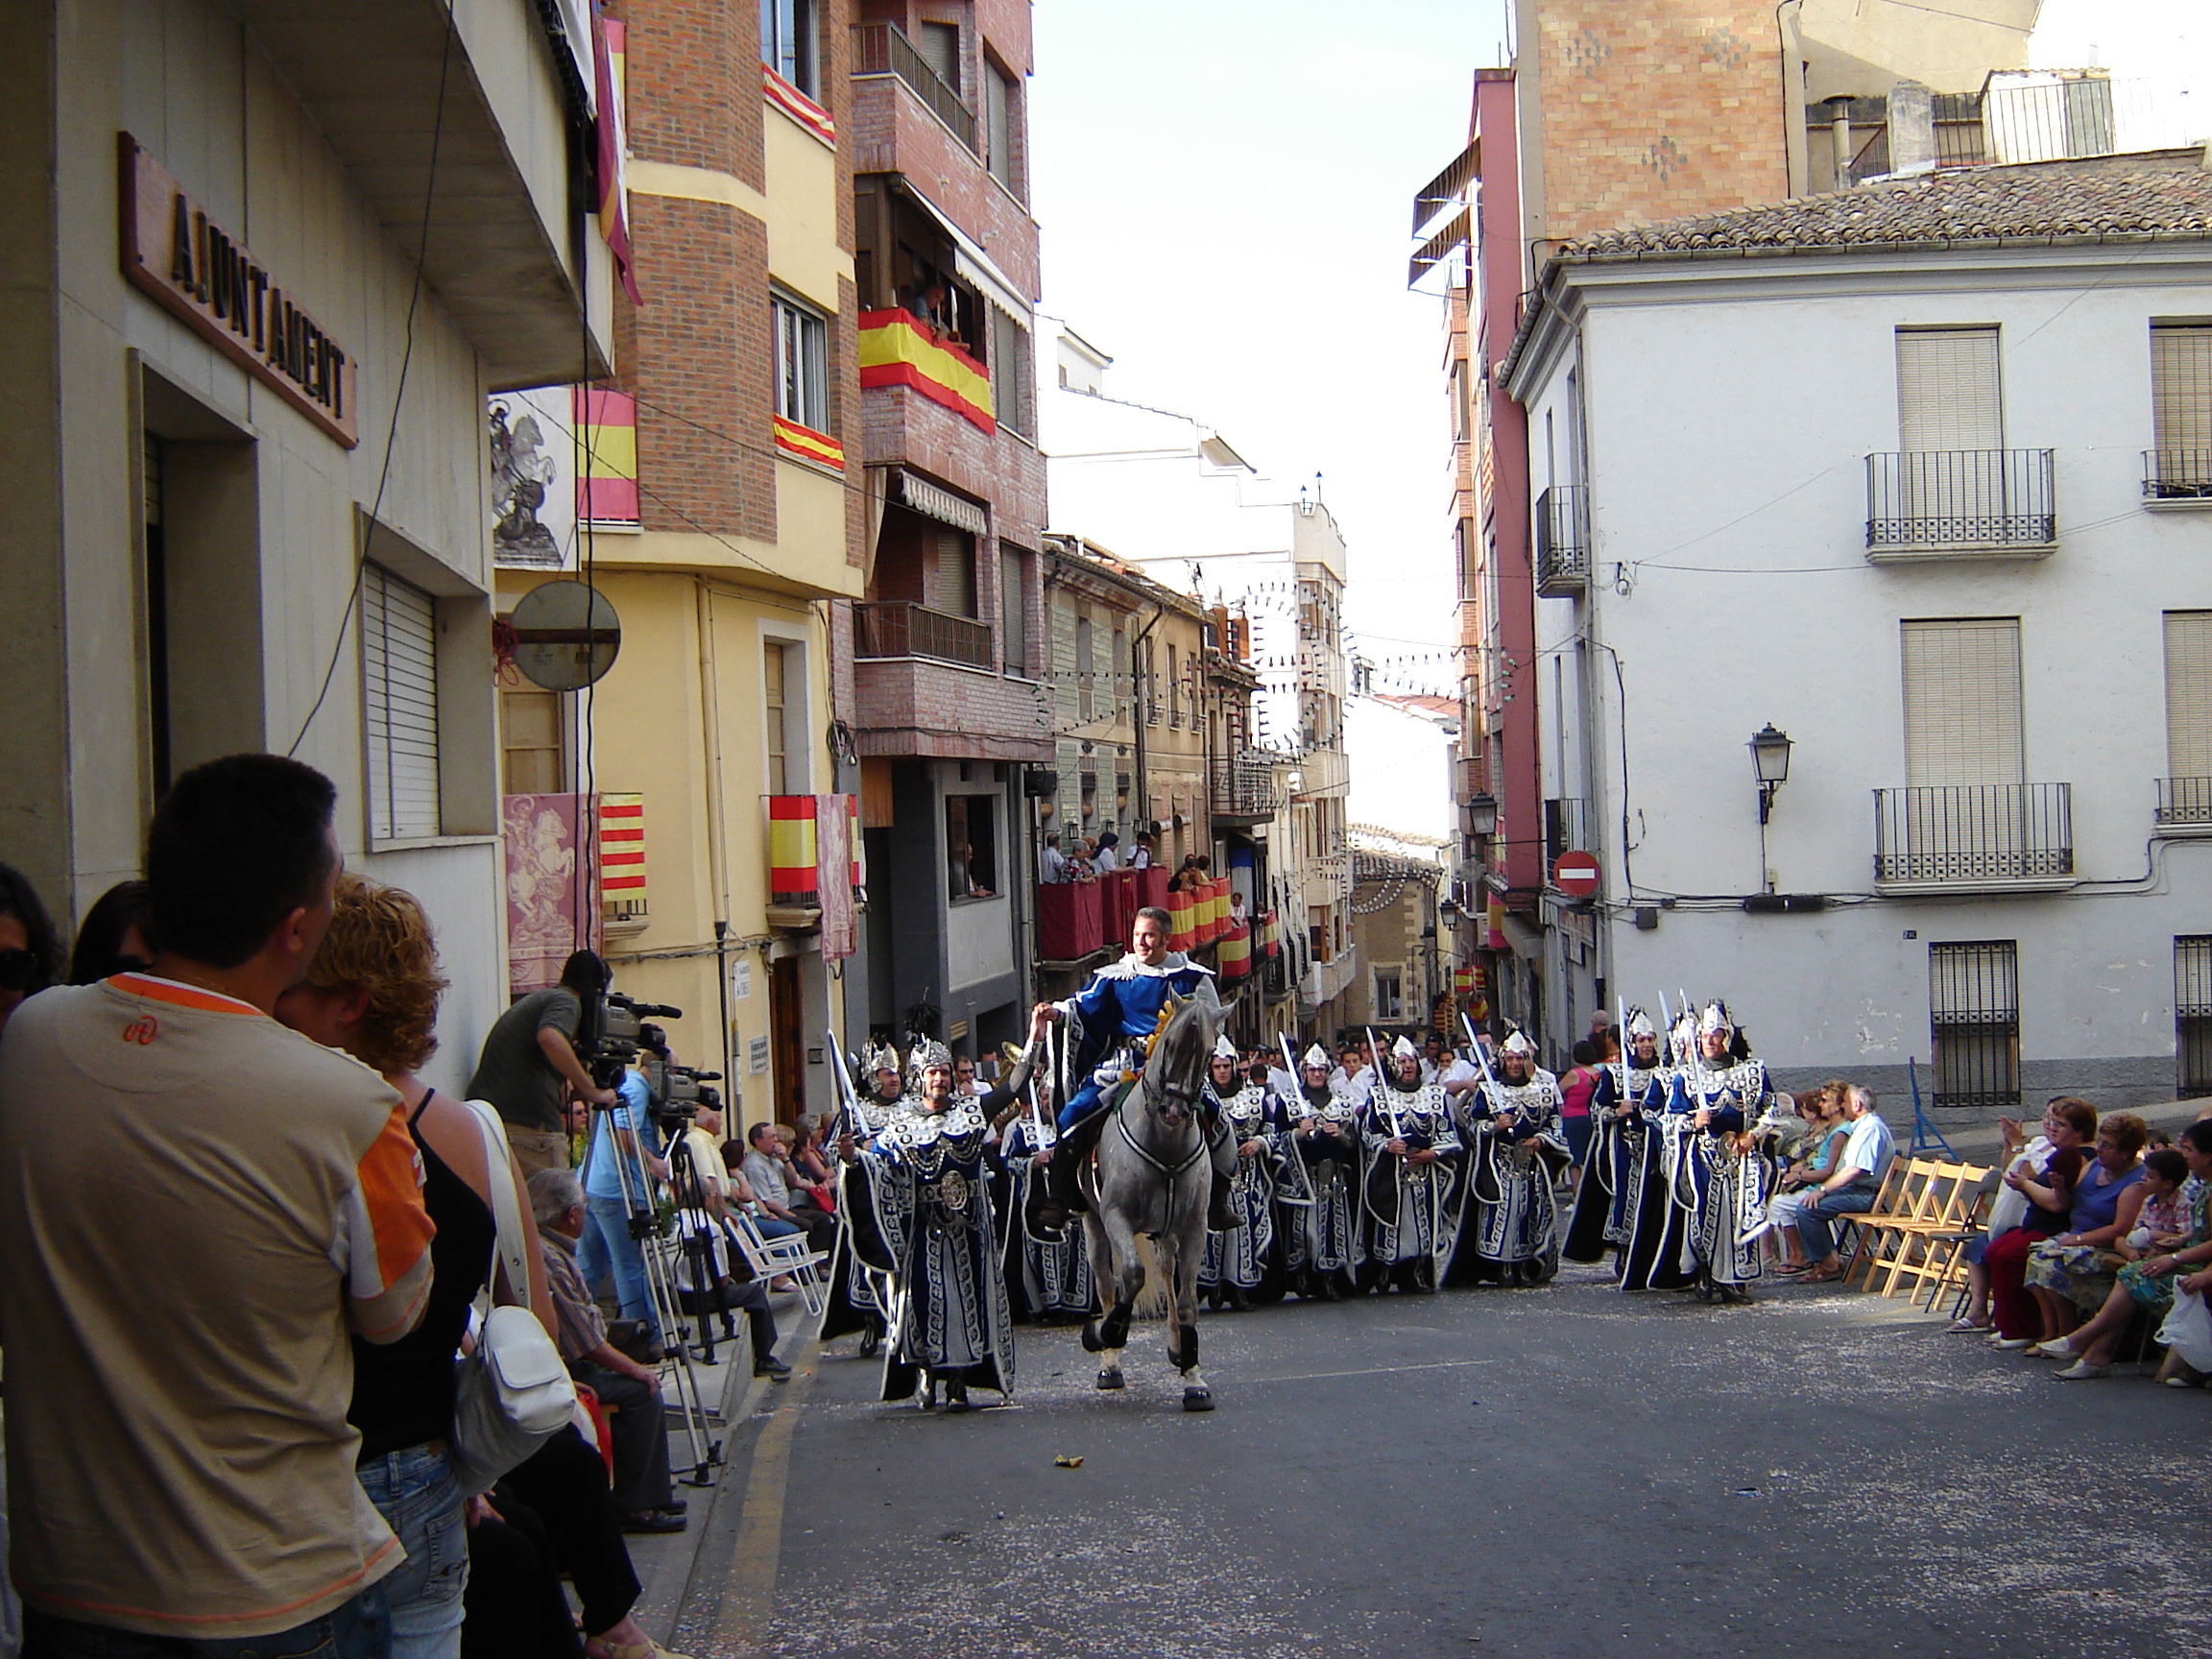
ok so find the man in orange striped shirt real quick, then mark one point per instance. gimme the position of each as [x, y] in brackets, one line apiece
[179, 1460]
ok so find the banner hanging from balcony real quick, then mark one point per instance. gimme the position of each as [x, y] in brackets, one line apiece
[549, 887]
[1235, 953]
[807, 836]
[807, 443]
[605, 458]
[612, 78]
[899, 349]
[622, 854]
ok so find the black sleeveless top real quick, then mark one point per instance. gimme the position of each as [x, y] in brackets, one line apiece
[404, 1390]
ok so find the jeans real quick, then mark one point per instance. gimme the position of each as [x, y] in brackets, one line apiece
[774, 1226]
[356, 1630]
[416, 1492]
[1813, 1218]
[607, 1247]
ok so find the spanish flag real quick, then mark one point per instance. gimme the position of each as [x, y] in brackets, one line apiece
[606, 425]
[899, 349]
[809, 444]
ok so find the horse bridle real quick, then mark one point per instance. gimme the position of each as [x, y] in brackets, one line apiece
[1170, 1170]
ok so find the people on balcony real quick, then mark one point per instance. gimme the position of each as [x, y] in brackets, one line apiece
[1106, 860]
[1052, 862]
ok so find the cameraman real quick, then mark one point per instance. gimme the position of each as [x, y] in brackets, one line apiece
[529, 1056]
[620, 1167]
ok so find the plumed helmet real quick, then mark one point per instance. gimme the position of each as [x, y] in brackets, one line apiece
[1640, 1024]
[1517, 1042]
[1404, 1050]
[881, 1057]
[1715, 1017]
[926, 1054]
[1223, 1048]
[1317, 1058]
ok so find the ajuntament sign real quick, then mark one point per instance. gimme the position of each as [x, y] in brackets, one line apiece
[194, 268]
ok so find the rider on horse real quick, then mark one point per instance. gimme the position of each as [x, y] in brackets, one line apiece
[1112, 1020]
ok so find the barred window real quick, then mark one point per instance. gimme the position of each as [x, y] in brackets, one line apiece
[2192, 1014]
[1974, 1022]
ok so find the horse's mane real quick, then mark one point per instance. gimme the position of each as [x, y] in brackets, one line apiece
[1186, 1040]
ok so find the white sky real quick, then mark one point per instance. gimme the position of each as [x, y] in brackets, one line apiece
[1225, 188]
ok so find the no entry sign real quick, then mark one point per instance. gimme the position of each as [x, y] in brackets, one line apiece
[1576, 874]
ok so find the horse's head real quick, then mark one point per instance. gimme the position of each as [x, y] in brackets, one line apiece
[1176, 1072]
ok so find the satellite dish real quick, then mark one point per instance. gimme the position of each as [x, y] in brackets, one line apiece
[567, 636]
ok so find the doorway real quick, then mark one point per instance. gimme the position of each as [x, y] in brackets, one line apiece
[787, 1039]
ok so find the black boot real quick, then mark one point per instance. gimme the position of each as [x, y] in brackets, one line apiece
[1063, 1193]
[1219, 1217]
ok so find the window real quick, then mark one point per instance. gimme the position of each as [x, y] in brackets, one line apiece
[971, 847]
[1001, 121]
[1174, 690]
[1974, 1022]
[951, 573]
[801, 364]
[787, 46]
[399, 670]
[1948, 394]
[775, 715]
[2180, 411]
[1462, 418]
[2185, 794]
[1118, 667]
[1962, 701]
[1013, 609]
[1389, 995]
[533, 747]
[1011, 391]
[939, 44]
[2192, 1015]
[1084, 659]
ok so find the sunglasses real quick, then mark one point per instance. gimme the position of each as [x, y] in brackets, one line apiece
[21, 971]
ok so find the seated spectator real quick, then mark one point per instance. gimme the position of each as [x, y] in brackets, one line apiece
[373, 991]
[2163, 1221]
[30, 949]
[711, 1273]
[816, 1184]
[1811, 1158]
[2024, 1156]
[643, 1493]
[2071, 1275]
[2146, 1289]
[767, 1175]
[177, 1325]
[116, 935]
[2070, 1125]
[1850, 1189]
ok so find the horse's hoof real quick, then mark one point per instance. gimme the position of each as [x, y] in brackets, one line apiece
[1111, 1378]
[1197, 1399]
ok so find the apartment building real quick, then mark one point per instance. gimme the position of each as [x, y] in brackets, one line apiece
[251, 328]
[946, 642]
[709, 491]
[1883, 667]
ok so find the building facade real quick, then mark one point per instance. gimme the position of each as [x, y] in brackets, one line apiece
[950, 717]
[246, 476]
[716, 507]
[1960, 620]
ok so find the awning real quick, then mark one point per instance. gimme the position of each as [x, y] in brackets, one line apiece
[970, 262]
[936, 501]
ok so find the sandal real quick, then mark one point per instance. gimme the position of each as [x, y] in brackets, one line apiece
[1825, 1273]
[595, 1649]
[1964, 1326]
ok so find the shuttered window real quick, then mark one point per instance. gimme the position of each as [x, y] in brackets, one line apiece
[399, 668]
[952, 573]
[2182, 385]
[2189, 693]
[1962, 701]
[1000, 105]
[1948, 392]
[939, 44]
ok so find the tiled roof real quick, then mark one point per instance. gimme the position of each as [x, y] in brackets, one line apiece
[2123, 197]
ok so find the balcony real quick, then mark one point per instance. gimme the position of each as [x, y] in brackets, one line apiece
[1562, 541]
[1244, 791]
[901, 628]
[883, 49]
[2177, 475]
[1974, 838]
[2185, 807]
[1933, 503]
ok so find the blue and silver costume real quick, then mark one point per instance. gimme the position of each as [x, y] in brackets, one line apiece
[1111, 1019]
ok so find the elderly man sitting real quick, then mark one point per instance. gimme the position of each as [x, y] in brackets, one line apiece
[643, 1489]
[1850, 1187]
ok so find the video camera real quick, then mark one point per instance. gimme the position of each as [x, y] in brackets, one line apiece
[678, 1092]
[613, 1030]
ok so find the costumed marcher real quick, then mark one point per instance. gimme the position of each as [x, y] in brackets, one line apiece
[924, 1178]
[1415, 1194]
[861, 1294]
[1047, 1277]
[1627, 1191]
[1517, 1148]
[1324, 1248]
[1730, 1178]
[1241, 1267]
[1111, 1022]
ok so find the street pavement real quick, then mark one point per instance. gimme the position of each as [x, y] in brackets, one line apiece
[1557, 1472]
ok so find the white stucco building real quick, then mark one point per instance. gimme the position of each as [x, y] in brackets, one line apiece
[1920, 475]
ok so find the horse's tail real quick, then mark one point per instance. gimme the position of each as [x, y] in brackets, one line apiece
[1152, 1301]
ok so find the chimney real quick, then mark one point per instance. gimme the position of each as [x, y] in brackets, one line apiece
[1911, 128]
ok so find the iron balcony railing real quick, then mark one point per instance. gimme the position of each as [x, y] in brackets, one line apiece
[1960, 500]
[1562, 541]
[894, 628]
[2185, 800]
[2178, 474]
[1972, 832]
[1244, 786]
[883, 49]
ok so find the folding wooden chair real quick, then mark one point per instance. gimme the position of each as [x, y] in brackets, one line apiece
[770, 1257]
[1901, 1194]
[1944, 1266]
[1954, 1191]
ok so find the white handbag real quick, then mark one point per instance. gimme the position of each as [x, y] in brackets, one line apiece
[513, 1393]
[2188, 1329]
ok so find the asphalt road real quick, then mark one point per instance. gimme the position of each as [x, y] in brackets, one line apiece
[1555, 1472]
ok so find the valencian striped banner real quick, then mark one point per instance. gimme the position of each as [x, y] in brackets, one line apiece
[622, 846]
[898, 349]
[606, 425]
[809, 444]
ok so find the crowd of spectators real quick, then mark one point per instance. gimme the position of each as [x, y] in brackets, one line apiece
[270, 1327]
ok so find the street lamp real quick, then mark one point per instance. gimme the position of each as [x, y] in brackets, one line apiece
[1481, 814]
[1771, 764]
